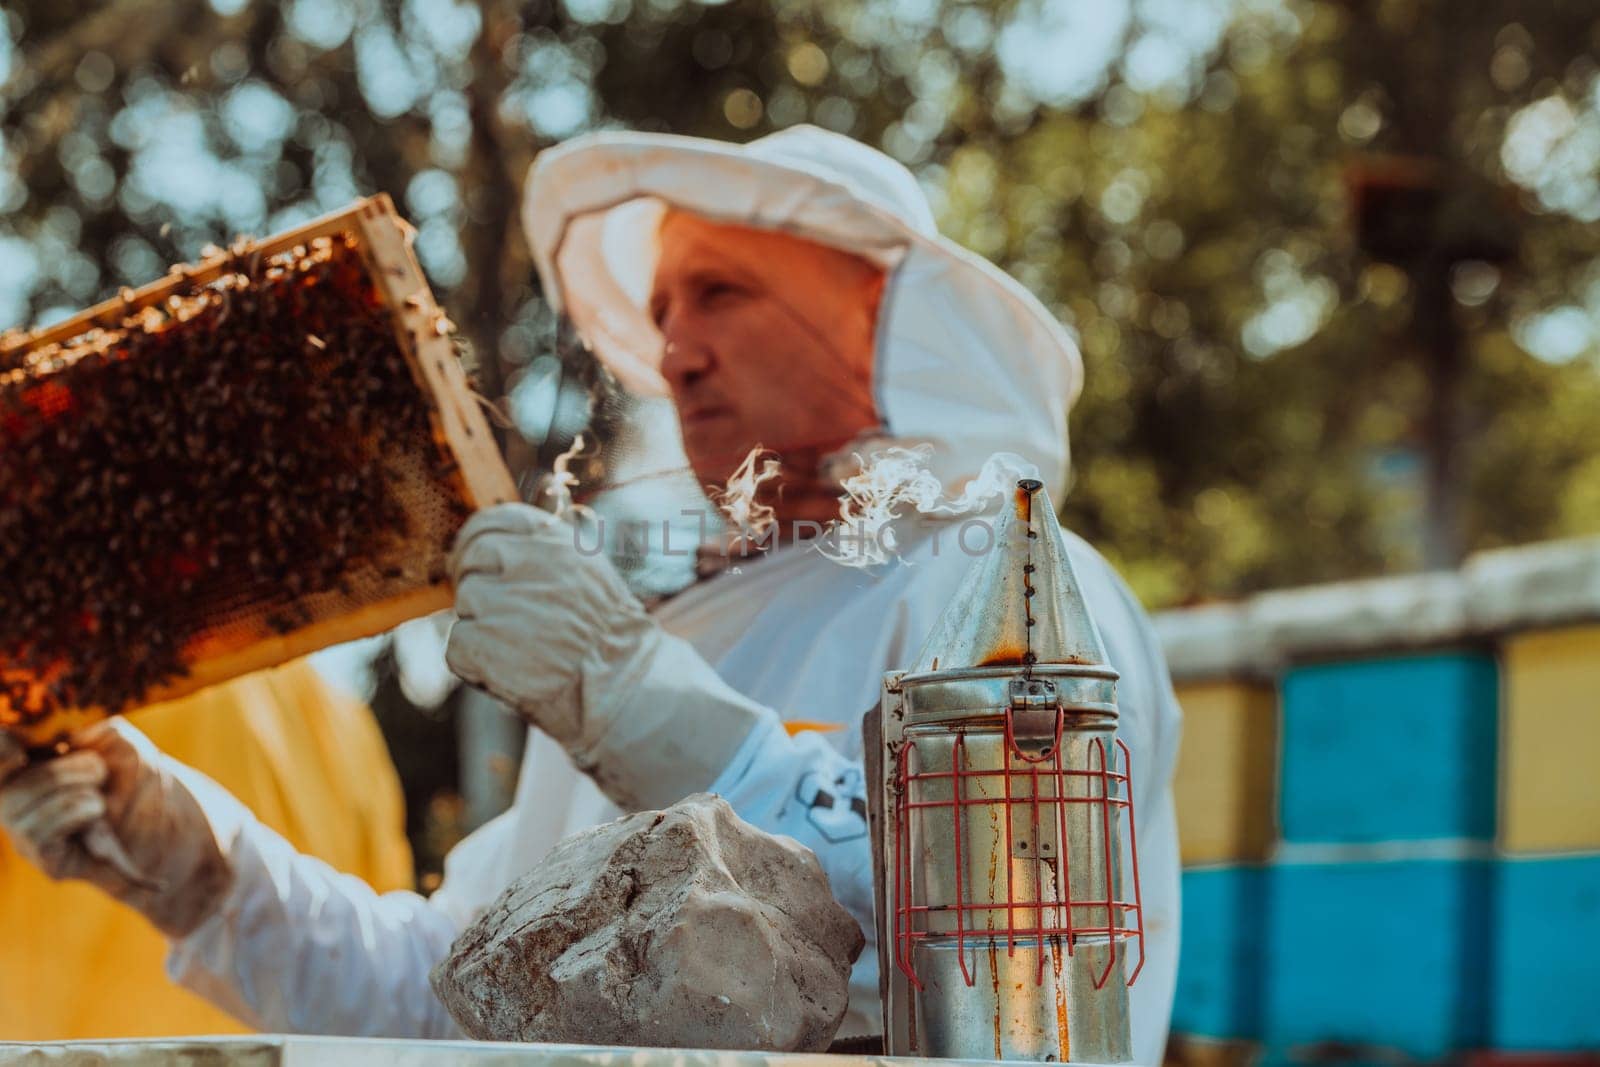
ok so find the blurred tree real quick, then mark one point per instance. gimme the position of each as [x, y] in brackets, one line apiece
[1296, 247]
[1325, 259]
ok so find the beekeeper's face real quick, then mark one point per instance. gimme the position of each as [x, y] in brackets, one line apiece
[769, 340]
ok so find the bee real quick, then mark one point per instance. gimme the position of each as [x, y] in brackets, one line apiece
[277, 471]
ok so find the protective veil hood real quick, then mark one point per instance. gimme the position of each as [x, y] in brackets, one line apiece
[967, 359]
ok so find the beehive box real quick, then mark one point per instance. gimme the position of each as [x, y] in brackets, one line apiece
[256, 457]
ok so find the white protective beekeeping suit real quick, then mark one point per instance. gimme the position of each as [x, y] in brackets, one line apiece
[967, 361]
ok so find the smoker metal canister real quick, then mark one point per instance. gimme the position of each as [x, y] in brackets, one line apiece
[1007, 924]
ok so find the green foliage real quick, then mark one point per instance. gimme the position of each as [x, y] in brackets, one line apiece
[1265, 380]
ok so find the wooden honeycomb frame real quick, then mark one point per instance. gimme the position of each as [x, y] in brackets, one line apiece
[423, 333]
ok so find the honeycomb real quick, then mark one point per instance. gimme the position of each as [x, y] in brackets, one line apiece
[229, 473]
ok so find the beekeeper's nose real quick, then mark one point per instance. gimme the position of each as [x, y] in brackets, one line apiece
[686, 359]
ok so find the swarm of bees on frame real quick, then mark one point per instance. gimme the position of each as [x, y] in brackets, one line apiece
[248, 444]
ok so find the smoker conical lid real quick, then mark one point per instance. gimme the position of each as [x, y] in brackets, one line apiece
[987, 623]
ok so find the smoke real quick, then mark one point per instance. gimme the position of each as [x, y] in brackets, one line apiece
[896, 480]
[747, 518]
[558, 487]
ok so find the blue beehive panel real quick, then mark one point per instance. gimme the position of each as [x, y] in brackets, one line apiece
[1220, 967]
[1378, 955]
[1546, 984]
[1399, 749]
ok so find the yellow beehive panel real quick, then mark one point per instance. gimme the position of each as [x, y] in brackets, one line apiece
[1550, 741]
[1226, 770]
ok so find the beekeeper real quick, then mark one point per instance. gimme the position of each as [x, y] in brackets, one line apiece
[795, 293]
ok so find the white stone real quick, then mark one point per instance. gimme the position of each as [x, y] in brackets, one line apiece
[684, 928]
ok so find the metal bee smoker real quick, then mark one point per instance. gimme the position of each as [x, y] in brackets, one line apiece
[1009, 917]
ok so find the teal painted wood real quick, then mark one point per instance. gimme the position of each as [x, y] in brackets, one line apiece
[1220, 967]
[1382, 750]
[1388, 956]
[1425, 958]
[1546, 983]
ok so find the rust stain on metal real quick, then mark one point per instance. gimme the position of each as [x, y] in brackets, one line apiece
[994, 976]
[1008, 655]
[1063, 1031]
[994, 862]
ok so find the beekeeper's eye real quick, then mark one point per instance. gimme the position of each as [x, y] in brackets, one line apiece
[718, 292]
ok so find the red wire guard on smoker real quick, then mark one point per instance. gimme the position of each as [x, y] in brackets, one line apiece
[1042, 768]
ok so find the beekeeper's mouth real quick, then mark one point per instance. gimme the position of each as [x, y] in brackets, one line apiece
[695, 416]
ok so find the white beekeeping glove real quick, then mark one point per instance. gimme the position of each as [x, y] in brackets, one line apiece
[553, 632]
[115, 812]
